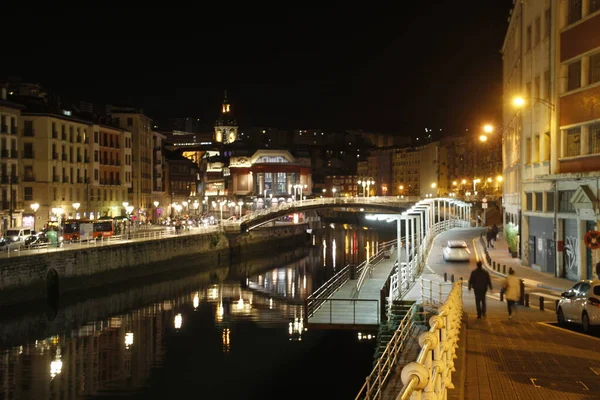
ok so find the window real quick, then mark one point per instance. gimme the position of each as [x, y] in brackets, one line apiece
[573, 140]
[528, 39]
[536, 149]
[129, 121]
[546, 153]
[27, 150]
[547, 85]
[539, 201]
[574, 75]
[528, 151]
[27, 193]
[548, 22]
[595, 67]
[564, 201]
[594, 6]
[528, 202]
[574, 11]
[594, 136]
[550, 201]
[536, 32]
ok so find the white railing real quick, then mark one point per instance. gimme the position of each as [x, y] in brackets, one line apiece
[367, 268]
[138, 235]
[433, 293]
[430, 376]
[375, 382]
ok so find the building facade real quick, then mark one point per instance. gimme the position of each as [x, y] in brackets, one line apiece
[552, 144]
[11, 201]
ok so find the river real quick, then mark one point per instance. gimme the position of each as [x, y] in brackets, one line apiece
[204, 335]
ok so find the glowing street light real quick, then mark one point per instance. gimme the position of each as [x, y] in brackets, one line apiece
[76, 207]
[518, 101]
[487, 128]
[34, 208]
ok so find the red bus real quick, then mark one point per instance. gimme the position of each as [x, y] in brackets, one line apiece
[71, 229]
[104, 227]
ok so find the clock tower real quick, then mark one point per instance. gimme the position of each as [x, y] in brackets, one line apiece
[226, 126]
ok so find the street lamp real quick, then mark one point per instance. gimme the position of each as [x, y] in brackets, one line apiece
[156, 203]
[333, 191]
[76, 207]
[240, 203]
[34, 208]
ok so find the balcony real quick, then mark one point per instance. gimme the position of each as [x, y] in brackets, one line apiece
[14, 153]
[8, 179]
[29, 132]
[28, 154]
[29, 178]
[55, 156]
[56, 178]
[78, 158]
[4, 153]
[65, 157]
[65, 179]
[14, 130]
[64, 136]
[5, 205]
[3, 128]
[54, 135]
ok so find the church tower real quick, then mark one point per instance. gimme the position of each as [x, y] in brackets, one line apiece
[226, 129]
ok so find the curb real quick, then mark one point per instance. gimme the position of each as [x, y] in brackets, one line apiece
[486, 259]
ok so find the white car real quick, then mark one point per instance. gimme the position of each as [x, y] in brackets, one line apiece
[456, 250]
[580, 305]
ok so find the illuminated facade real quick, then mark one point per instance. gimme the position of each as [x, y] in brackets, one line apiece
[268, 173]
[11, 203]
[226, 129]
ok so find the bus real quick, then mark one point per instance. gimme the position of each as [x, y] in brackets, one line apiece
[71, 229]
[104, 228]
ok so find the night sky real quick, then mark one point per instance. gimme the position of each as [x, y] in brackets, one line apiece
[381, 69]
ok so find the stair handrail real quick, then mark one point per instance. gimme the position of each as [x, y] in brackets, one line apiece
[366, 268]
[375, 382]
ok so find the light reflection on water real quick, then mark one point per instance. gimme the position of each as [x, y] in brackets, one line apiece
[226, 340]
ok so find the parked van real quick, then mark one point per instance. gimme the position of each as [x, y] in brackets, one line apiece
[18, 234]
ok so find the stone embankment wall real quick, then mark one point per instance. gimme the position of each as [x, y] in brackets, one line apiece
[33, 277]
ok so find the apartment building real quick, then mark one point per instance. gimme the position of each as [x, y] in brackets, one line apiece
[551, 147]
[11, 201]
[140, 126]
[72, 167]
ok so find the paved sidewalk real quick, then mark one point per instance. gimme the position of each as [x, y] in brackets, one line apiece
[501, 256]
[525, 357]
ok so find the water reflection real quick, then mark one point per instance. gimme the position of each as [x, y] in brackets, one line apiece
[163, 349]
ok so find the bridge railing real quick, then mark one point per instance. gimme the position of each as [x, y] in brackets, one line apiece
[318, 297]
[430, 376]
[366, 268]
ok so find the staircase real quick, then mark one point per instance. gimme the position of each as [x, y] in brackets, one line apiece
[386, 330]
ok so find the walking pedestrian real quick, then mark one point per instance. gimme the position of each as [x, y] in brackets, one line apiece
[490, 236]
[480, 281]
[512, 291]
[495, 230]
[598, 269]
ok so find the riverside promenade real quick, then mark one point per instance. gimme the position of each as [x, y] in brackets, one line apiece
[528, 356]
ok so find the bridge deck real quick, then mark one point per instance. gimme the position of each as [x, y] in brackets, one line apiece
[349, 308]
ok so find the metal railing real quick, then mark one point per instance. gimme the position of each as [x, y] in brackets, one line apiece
[430, 376]
[375, 382]
[343, 303]
[137, 235]
[318, 297]
[430, 289]
[365, 268]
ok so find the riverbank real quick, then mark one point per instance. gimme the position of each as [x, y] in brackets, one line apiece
[48, 276]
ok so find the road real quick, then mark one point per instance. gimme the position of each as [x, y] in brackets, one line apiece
[437, 265]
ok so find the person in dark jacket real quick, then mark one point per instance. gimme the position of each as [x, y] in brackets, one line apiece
[480, 281]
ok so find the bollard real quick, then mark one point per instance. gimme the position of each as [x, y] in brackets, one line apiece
[541, 303]
[445, 277]
[494, 265]
[522, 295]
[452, 278]
[526, 299]
[504, 269]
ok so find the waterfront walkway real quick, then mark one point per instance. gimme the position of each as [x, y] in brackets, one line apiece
[526, 357]
[350, 308]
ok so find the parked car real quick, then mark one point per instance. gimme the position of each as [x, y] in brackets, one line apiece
[580, 305]
[456, 250]
[38, 239]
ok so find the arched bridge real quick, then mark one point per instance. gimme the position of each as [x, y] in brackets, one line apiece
[257, 218]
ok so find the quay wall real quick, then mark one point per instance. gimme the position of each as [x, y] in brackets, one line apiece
[46, 275]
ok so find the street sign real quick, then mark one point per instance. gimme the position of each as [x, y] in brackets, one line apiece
[484, 200]
[483, 205]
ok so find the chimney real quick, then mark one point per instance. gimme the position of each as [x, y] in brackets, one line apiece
[3, 95]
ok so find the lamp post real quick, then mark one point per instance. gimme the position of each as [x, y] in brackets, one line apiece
[196, 206]
[125, 204]
[156, 203]
[221, 204]
[34, 208]
[240, 203]
[76, 207]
